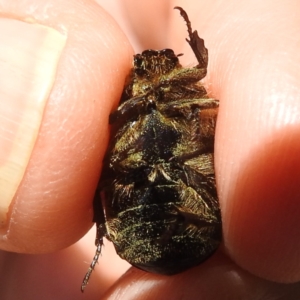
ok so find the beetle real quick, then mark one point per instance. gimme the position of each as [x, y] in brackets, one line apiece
[156, 199]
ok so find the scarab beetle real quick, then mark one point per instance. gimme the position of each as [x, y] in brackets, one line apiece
[156, 199]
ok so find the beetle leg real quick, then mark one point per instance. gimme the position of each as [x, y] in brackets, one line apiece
[202, 181]
[176, 109]
[101, 233]
[132, 107]
[99, 244]
[196, 43]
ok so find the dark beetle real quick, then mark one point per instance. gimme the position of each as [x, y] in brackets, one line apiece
[156, 199]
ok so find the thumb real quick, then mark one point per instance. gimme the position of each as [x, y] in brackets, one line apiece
[62, 68]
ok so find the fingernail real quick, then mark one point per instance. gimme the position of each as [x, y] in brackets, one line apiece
[29, 56]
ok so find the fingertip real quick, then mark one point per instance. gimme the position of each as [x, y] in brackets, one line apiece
[216, 278]
[253, 75]
[52, 207]
[264, 224]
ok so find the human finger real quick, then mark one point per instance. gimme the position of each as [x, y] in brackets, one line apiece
[71, 63]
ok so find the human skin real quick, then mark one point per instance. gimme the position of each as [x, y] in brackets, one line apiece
[253, 71]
